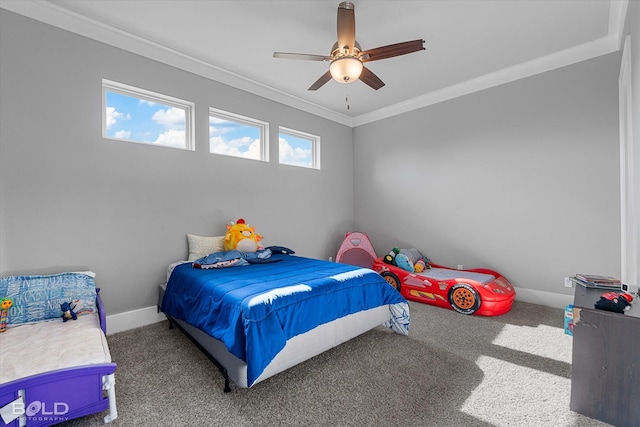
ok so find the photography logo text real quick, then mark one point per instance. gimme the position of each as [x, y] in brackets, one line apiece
[42, 411]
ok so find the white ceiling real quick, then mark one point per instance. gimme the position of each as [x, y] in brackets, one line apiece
[470, 44]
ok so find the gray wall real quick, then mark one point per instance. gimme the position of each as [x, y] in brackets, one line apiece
[71, 200]
[522, 178]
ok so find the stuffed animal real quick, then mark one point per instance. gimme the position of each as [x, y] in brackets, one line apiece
[241, 237]
[410, 260]
[419, 266]
[403, 261]
[4, 310]
[67, 311]
[390, 258]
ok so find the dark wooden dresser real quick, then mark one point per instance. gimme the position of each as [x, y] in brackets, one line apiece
[605, 372]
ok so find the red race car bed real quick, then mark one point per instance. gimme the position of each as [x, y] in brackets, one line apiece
[478, 291]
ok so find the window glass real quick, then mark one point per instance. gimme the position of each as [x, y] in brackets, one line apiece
[138, 115]
[299, 149]
[234, 135]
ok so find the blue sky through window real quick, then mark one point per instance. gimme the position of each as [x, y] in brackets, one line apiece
[147, 119]
[294, 150]
[234, 138]
[139, 120]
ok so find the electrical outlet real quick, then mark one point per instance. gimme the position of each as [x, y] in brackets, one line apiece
[568, 283]
[459, 266]
[330, 258]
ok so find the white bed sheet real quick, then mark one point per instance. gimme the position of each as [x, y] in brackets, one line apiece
[40, 347]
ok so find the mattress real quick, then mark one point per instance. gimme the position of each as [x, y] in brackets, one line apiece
[35, 348]
[448, 274]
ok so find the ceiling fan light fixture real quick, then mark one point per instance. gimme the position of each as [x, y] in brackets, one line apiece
[346, 69]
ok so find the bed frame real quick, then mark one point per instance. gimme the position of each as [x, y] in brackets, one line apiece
[64, 394]
[297, 349]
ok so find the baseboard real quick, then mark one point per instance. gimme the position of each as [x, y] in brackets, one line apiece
[549, 299]
[133, 319]
[145, 316]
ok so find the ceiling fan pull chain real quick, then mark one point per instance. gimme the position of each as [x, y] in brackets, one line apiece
[347, 96]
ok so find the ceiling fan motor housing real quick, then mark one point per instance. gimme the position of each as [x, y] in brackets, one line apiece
[346, 5]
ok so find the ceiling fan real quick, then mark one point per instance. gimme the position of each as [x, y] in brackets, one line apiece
[347, 57]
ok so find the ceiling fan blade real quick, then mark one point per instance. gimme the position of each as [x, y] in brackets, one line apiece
[304, 56]
[392, 50]
[321, 81]
[370, 79]
[346, 27]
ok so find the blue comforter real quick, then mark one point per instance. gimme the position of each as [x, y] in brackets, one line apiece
[255, 309]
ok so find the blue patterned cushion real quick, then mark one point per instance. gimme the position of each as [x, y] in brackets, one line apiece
[37, 298]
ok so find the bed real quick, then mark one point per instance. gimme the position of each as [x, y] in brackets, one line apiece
[50, 370]
[257, 320]
[478, 291]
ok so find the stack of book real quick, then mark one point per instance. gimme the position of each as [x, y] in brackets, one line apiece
[597, 281]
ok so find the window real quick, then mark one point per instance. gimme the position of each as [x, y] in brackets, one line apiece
[299, 149]
[234, 135]
[138, 115]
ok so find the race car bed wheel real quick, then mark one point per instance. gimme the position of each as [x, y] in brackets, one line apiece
[391, 279]
[463, 298]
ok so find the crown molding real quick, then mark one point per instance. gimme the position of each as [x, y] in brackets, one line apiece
[527, 69]
[617, 16]
[610, 43]
[50, 13]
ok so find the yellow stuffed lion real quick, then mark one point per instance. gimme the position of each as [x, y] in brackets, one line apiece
[241, 237]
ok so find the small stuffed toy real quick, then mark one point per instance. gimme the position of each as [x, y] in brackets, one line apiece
[4, 313]
[241, 237]
[390, 258]
[615, 302]
[67, 311]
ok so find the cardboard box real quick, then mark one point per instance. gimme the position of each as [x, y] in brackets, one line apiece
[568, 320]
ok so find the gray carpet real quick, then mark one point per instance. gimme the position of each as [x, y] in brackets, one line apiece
[511, 370]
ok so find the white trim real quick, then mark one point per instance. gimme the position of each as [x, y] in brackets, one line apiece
[563, 58]
[629, 205]
[145, 316]
[548, 299]
[133, 319]
[50, 13]
[53, 14]
[617, 16]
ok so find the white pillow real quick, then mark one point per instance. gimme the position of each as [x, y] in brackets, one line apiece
[200, 246]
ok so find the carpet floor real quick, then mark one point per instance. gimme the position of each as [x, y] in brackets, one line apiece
[452, 370]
